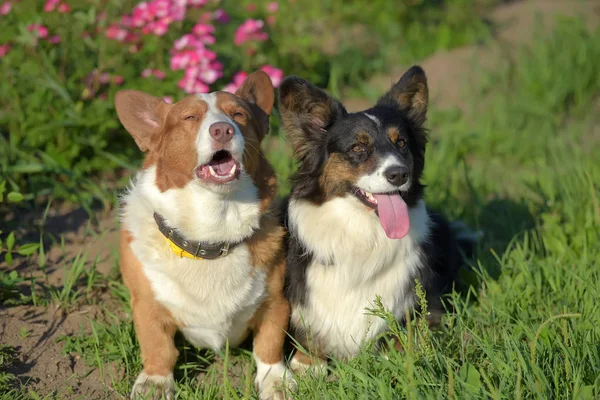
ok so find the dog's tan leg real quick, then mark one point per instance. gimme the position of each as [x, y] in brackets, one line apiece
[273, 378]
[312, 363]
[155, 334]
[155, 330]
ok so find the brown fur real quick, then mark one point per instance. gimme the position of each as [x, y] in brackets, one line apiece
[412, 94]
[154, 325]
[339, 174]
[394, 134]
[322, 109]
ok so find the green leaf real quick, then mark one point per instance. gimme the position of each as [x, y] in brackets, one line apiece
[2, 190]
[468, 373]
[28, 249]
[10, 241]
[15, 197]
[586, 392]
[8, 258]
[42, 257]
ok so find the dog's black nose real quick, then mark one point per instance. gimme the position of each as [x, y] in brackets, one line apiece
[397, 175]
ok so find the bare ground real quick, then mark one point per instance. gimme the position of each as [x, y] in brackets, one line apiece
[453, 75]
[33, 331]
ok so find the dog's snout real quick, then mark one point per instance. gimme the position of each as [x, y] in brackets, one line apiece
[397, 175]
[222, 132]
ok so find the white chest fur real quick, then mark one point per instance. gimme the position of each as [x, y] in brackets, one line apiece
[353, 262]
[213, 300]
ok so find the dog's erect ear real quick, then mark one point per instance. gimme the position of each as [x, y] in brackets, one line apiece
[306, 113]
[257, 89]
[141, 114]
[410, 93]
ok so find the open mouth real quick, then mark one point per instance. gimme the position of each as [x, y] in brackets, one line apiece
[222, 168]
[366, 198]
[391, 210]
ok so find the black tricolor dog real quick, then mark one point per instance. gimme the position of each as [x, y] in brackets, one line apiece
[358, 225]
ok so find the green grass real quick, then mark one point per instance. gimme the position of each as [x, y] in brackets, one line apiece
[523, 167]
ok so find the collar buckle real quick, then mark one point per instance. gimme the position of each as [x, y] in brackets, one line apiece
[225, 249]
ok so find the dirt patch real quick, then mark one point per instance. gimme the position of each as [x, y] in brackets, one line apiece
[39, 362]
[453, 74]
[67, 233]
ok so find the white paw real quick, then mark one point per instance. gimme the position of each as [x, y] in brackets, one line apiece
[274, 381]
[153, 387]
[318, 368]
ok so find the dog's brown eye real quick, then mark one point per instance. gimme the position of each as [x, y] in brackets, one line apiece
[190, 117]
[237, 114]
[401, 143]
[359, 148]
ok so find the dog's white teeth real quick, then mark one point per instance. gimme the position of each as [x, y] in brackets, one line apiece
[212, 171]
[232, 172]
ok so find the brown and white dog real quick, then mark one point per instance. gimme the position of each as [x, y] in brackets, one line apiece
[201, 247]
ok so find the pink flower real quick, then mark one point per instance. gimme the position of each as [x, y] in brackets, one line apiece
[179, 61]
[209, 75]
[141, 14]
[271, 19]
[250, 30]
[273, 7]
[193, 86]
[197, 3]
[204, 33]
[5, 8]
[237, 80]
[104, 77]
[251, 7]
[54, 39]
[221, 16]
[159, 8]
[178, 12]
[4, 49]
[203, 29]
[40, 30]
[275, 74]
[160, 28]
[50, 5]
[168, 99]
[146, 73]
[159, 74]
[118, 79]
[64, 8]
[188, 40]
[116, 33]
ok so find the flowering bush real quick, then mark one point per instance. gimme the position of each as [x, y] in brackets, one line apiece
[190, 53]
[62, 61]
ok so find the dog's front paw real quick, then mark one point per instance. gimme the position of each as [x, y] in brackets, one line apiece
[316, 367]
[153, 387]
[274, 381]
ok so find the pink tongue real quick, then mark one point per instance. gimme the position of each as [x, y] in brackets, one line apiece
[393, 214]
[222, 167]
